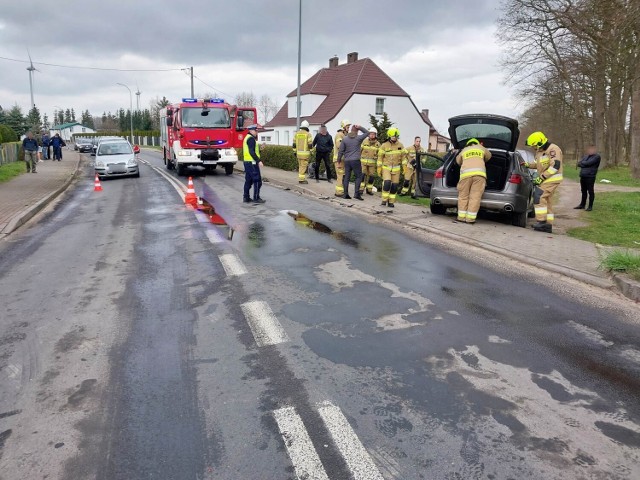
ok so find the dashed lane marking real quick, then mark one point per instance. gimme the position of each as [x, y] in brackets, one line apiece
[303, 456]
[213, 236]
[264, 325]
[352, 450]
[232, 265]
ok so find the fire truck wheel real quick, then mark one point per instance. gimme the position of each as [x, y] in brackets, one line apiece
[181, 170]
[228, 169]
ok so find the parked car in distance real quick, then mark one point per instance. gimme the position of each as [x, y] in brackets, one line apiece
[84, 145]
[115, 158]
[509, 187]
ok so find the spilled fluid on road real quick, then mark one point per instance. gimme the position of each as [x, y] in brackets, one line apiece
[302, 219]
[215, 218]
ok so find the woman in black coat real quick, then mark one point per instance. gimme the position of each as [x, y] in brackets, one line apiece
[588, 169]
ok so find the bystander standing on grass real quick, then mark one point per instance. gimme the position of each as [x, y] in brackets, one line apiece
[588, 165]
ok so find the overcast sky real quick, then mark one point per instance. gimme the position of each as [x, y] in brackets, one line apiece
[235, 46]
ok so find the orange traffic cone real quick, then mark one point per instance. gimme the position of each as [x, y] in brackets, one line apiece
[96, 184]
[190, 198]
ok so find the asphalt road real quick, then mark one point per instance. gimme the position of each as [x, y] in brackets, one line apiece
[141, 341]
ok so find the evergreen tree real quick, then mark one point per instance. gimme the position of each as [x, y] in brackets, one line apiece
[73, 115]
[87, 119]
[59, 117]
[2, 116]
[67, 116]
[45, 122]
[34, 122]
[381, 125]
[15, 119]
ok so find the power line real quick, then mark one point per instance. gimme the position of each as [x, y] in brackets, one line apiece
[214, 88]
[95, 68]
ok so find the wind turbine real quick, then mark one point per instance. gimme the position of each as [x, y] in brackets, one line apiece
[31, 69]
[138, 93]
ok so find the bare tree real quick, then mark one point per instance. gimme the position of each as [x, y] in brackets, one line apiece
[246, 99]
[267, 108]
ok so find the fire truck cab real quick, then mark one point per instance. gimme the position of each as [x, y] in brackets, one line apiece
[203, 133]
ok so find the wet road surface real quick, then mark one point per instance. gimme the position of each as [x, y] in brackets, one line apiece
[294, 339]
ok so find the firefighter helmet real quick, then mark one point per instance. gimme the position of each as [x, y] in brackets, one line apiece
[536, 139]
[345, 123]
[393, 132]
[473, 141]
[373, 130]
[304, 124]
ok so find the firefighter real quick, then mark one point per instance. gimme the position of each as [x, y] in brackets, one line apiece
[548, 163]
[473, 179]
[413, 153]
[302, 144]
[369, 160]
[252, 164]
[392, 157]
[345, 125]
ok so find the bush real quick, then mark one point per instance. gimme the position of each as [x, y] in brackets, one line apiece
[7, 134]
[279, 156]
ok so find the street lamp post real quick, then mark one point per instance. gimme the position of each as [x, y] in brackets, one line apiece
[130, 109]
[299, 64]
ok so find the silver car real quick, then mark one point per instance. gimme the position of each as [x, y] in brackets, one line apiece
[115, 158]
[509, 187]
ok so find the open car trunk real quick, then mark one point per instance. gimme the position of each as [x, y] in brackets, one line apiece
[498, 171]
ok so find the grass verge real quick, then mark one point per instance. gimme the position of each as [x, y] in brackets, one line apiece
[625, 262]
[425, 202]
[11, 170]
[618, 175]
[613, 221]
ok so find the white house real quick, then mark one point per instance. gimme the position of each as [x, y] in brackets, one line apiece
[66, 130]
[351, 91]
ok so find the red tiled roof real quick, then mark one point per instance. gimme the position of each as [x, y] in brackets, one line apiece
[339, 84]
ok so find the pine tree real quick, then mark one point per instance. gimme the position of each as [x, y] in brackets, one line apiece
[15, 119]
[67, 116]
[73, 115]
[381, 125]
[3, 116]
[45, 122]
[34, 122]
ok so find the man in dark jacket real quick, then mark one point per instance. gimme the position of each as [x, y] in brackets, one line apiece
[31, 149]
[588, 170]
[57, 143]
[45, 146]
[324, 146]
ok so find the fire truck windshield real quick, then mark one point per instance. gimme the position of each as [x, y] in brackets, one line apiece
[216, 118]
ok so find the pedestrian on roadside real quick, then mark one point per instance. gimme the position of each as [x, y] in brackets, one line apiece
[345, 125]
[548, 163]
[473, 179]
[31, 149]
[323, 144]
[303, 144]
[588, 170]
[413, 152]
[392, 157]
[350, 153]
[57, 143]
[252, 164]
[45, 146]
[370, 148]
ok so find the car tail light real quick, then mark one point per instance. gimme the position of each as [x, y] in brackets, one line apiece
[515, 178]
[439, 173]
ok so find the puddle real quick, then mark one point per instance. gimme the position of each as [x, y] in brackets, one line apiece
[302, 219]
[207, 209]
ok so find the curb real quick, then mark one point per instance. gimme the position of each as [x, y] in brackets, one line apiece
[629, 287]
[534, 262]
[25, 215]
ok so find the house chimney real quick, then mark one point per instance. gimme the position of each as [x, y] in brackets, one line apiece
[333, 62]
[425, 112]
[352, 57]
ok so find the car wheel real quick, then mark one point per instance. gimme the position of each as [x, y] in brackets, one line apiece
[519, 219]
[437, 209]
[228, 169]
[137, 175]
[180, 170]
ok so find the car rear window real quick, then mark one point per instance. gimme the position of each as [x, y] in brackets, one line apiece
[482, 130]
[114, 149]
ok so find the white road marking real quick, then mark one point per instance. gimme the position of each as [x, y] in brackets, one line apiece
[264, 325]
[232, 265]
[303, 456]
[213, 236]
[201, 217]
[353, 452]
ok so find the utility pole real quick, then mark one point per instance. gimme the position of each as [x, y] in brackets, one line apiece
[130, 109]
[191, 69]
[299, 64]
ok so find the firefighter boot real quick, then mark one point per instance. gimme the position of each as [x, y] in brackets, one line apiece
[544, 227]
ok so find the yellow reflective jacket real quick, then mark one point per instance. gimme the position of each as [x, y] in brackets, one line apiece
[337, 140]
[369, 151]
[392, 156]
[472, 161]
[549, 164]
[303, 143]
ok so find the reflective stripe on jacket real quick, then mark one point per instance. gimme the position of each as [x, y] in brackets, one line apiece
[303, 143]
[549, 164]
[370, 151]
[472, 161]
[336, 144]
[392, 156]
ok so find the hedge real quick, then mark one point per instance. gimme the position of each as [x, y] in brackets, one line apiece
[7, 134]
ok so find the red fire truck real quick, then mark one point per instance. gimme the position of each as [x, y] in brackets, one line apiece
[203, 132]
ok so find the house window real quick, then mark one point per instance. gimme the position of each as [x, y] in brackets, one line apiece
[84, 130]
[379, 106]
[265, 138]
